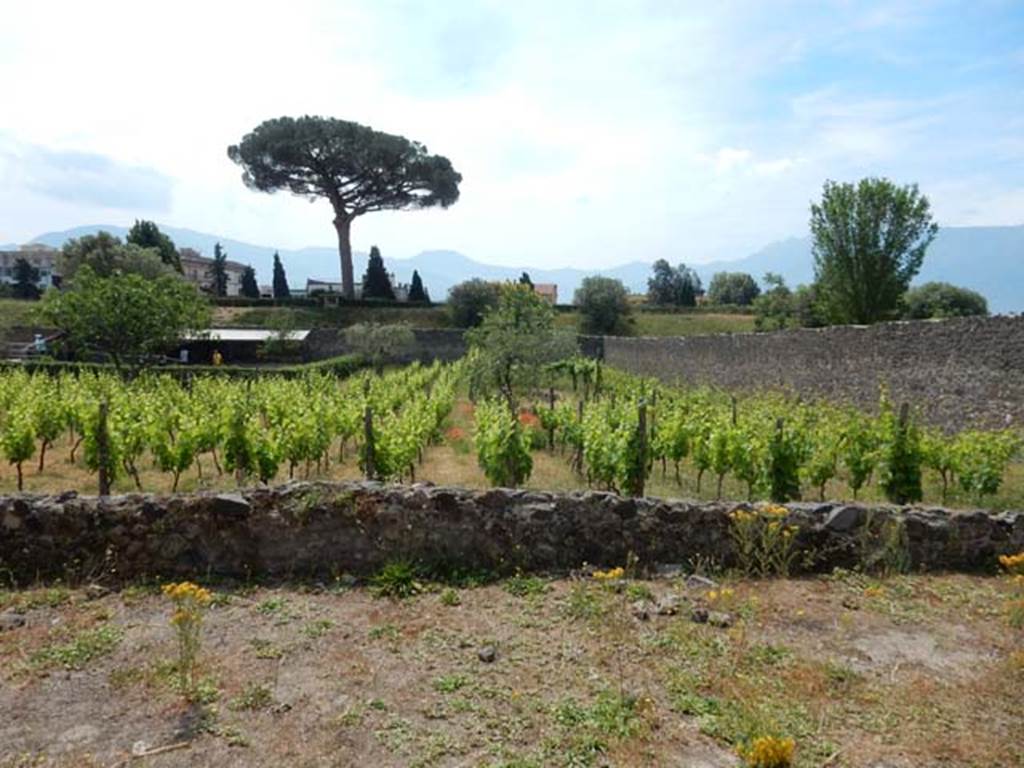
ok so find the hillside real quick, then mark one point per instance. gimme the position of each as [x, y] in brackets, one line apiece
[986, 259]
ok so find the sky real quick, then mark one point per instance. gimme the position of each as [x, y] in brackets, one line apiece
[588, 134]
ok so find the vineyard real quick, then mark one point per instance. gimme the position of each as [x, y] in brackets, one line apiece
[256, 430]
[586, 427]
[618, 432]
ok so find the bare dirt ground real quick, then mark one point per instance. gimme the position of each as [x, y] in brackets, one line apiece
[911, 671]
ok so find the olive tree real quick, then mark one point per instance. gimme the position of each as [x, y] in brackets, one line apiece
[125, 316]
[470, 300]
[517, 339]
[604, 306]
[105, 255]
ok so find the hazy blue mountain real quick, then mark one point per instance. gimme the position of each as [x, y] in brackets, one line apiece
[987, 259]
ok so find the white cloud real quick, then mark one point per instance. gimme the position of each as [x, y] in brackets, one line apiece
[689, 132]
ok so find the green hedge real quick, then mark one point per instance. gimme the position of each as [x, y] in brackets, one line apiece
[703, 309]
[241, 301]
[341, 366]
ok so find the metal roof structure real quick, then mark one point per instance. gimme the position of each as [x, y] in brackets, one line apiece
[245, 334]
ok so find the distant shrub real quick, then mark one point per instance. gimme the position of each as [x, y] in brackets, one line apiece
[736, 288]
[935, 300]
[469, 301]
[604, 306]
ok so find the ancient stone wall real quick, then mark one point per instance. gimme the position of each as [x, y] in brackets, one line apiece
[960, 372]
[431, 344]
[320, 529]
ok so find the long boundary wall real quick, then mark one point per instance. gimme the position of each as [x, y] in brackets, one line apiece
[304, 529]
[963, 372]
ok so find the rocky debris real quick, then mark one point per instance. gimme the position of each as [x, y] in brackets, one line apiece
[720, 619]
[10, 620]
[669, 605]
[693, 581]
[488, 654]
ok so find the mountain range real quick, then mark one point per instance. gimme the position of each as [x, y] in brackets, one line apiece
[989, 260]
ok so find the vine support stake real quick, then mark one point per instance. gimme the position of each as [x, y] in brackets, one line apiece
[551, 427]
[641, 459]
[370, 469]
[103, 449]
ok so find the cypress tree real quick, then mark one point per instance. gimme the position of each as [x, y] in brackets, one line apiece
[416, 291]
[218, 272]
[26, 278]
[250, 288]
[280, 280]
[376, 282]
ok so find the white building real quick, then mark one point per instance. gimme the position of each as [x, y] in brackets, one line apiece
[42, 257]
[196, 269]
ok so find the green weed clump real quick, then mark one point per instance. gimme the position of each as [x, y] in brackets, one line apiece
[397, 580]
[526, 586]
[79, 650]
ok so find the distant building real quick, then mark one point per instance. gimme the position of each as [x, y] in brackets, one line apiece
[548, 290]
[42, 257]
[331, 292]
[314, 287]
[196, 269]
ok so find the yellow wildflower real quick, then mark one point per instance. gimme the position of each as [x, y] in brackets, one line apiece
[186, 590]
[769, 752]
[723, 595]
[610, 575]
[1013, 563]
[874, 592]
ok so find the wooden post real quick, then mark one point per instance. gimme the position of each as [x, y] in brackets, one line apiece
[103, 449]
[577, 459]
[733, 410]
[641, 428]
[551, 428]
[370, 469]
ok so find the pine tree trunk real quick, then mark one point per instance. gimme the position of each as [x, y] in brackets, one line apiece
[343, 226]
